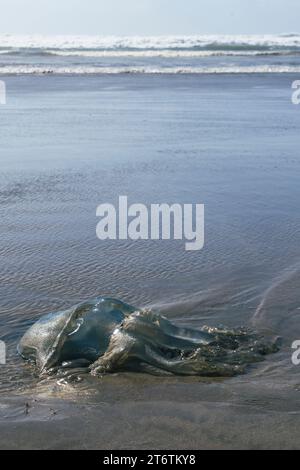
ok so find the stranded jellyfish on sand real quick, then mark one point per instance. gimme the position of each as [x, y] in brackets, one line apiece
[106, 335]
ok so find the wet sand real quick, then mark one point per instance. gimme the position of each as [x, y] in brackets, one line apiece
[164, 415]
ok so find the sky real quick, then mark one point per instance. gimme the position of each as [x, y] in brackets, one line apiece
[149, 17]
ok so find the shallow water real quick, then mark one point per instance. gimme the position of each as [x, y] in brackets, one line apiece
[232, 143]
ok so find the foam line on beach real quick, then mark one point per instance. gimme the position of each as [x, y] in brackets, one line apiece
[82, 70]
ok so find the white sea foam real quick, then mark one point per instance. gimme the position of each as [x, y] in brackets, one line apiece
[167, 54]
[81, 70]
[150, 42]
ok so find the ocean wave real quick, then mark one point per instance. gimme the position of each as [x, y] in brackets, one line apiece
[201, 42]
[166, 54]
[82, 70]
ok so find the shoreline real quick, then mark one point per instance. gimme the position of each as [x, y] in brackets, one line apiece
[37, 423]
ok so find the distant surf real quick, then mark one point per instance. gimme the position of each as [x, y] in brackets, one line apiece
[79, 70]
[196, 42]
[202, 54]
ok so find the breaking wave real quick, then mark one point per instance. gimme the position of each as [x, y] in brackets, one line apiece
[154, 53]
[98, 70]
[90, 55]
[195, 42]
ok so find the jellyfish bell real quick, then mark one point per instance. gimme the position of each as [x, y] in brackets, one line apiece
[81, 332]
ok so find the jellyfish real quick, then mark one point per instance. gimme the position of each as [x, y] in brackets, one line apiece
[106, 335]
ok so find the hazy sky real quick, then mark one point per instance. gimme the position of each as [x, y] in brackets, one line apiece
[146, 17]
